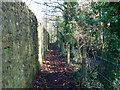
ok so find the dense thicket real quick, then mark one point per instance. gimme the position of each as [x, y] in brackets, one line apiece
[89, 35]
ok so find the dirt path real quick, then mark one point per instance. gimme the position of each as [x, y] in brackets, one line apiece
[54, 73]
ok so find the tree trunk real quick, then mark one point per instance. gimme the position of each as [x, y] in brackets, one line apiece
[84, 67]
[68, 53]
[80, 55]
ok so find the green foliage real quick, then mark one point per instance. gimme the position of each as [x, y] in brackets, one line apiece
[97, 29]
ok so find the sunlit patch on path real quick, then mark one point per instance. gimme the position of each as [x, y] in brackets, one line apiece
[55, 73]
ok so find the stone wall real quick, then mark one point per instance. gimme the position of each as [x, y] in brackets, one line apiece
[43, 37]
[19, 45]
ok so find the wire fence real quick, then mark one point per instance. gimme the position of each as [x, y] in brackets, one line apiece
[118, 65]
[99, 73]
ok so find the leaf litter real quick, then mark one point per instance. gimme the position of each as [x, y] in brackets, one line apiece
[55, 72]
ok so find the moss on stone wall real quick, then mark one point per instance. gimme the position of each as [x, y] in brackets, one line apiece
[45, 41]
[19, 45]
[43, 37]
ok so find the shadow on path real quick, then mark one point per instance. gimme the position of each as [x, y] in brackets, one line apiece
[55, 73]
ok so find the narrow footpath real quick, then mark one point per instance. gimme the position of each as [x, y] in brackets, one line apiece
[55, 73]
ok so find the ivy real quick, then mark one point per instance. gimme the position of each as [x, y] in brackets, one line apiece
[96, 28]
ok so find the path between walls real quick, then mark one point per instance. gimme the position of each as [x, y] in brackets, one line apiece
[55, 73]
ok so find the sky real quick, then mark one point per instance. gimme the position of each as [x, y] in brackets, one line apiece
[37, 7]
